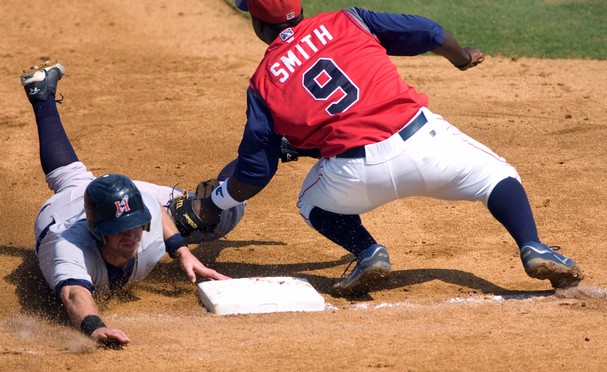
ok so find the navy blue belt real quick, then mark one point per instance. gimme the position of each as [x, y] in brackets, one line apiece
[405, 133]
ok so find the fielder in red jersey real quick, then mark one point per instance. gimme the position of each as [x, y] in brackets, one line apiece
[348, 101]
[327, 83]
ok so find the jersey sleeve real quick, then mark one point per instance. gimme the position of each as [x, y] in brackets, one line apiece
[79, 282]
[401, 34]
[259, 150]
[65, 259]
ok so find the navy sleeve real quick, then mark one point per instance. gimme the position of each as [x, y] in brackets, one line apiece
[401, 34]
[83, 283]
[259, 150]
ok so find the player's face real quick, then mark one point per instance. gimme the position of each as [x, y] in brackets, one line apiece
[124, 244]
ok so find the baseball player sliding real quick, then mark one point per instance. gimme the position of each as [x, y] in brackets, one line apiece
[328, 83]
[99, 235]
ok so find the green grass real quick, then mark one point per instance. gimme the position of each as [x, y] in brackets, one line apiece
[512, 28]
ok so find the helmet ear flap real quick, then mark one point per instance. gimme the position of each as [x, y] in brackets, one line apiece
[97, 235]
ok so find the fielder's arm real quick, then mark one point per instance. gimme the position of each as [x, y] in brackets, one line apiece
[462, 58]
[238, 192]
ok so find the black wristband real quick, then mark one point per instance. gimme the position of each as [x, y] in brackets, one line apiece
[90, 323]
[173, 243]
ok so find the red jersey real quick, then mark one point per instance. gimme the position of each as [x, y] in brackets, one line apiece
[329, 84]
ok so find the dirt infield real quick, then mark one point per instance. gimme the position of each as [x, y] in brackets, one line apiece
[156, 90]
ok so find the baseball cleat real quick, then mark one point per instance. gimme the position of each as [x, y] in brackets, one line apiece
[541, 262]
[372, 267]
[41, 81]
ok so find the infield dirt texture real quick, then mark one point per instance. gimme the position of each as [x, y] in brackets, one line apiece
[156, 90]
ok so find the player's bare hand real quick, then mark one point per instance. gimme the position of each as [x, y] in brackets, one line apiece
[193, 267]
[111, 338]
[476, 57]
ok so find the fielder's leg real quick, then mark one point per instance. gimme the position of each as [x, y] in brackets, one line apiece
[373, 262]
[509, 204]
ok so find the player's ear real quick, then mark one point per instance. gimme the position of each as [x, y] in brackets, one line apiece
[260, 30]
[264, 31]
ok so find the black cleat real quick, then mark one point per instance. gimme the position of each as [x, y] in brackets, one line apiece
[41, 81]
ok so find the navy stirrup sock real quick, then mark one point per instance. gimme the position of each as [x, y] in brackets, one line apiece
[344, 230]
[55, 147]
[509, 204]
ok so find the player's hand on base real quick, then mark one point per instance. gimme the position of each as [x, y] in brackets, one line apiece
[111, 338]
[193, 267]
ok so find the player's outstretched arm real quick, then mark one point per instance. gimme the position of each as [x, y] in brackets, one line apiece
[193, 267]
[84, 315]
[462, 58]
[178, 249]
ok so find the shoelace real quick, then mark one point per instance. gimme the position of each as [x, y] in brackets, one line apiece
[184, 194]
[343, 275]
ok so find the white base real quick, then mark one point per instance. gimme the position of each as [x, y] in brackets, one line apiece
[259, 295]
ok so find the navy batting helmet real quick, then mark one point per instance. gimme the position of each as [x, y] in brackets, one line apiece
[113, 205]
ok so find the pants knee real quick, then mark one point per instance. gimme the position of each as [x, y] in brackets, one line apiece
[304, 211]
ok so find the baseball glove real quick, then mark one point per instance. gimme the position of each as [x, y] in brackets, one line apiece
[205, 188]
[182, 211]
[289, 153]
